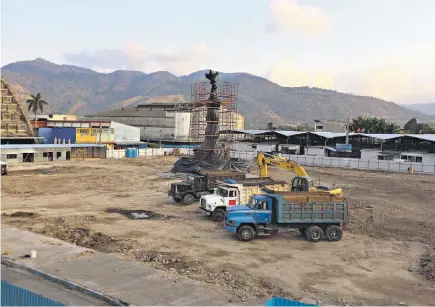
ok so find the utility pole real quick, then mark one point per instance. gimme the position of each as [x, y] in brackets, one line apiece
[347, 130]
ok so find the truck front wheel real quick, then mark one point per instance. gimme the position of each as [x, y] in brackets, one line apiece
[314, 234]
[246, 233]
[334, 233]
[218, 215]
[188, 199]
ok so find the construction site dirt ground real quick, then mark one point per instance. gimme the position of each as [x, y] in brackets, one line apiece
[378, 261]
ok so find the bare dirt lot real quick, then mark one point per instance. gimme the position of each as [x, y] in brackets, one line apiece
[378, 262]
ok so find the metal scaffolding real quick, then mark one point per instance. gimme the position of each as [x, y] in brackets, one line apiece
[227, 96]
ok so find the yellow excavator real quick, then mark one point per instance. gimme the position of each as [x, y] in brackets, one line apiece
[301, 182]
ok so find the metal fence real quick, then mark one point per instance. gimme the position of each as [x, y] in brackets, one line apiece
[12, 295]
[352, 163]
[374, 165]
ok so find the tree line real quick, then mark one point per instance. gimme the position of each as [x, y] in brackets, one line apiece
[367, 124]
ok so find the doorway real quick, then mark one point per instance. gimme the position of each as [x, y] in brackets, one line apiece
[68, 155]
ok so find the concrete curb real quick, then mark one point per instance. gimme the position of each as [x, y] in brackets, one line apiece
[67, 284]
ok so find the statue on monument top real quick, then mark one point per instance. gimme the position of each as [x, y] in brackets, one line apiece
[213, 77]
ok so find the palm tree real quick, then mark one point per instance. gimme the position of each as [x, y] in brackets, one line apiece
[36, 103]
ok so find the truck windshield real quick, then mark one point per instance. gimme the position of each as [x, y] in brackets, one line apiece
[252, 203]
[223, 192]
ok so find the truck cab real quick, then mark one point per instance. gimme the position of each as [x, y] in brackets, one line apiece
[216, 204]
[190, 189]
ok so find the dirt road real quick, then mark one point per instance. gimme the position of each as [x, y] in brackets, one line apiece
[376, 263]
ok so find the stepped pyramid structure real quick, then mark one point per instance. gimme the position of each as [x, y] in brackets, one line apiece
[15, 125]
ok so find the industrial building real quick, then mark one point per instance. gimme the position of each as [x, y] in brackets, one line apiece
[15, 125]
[163, 122]
[14, 154]
[330, 126]
[419, 148]
[109, 133]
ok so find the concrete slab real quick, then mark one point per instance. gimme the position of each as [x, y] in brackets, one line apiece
[129, 281]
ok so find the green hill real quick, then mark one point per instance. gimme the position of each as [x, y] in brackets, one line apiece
[71, 89]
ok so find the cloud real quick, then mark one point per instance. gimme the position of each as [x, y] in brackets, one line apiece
[134, 56]
[287, 73]
[288, 16]
[405, 75]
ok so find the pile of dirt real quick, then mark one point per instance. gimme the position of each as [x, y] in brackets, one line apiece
[20, 214]
[139, 214]
[232, 278]
[427, 264]
[83, 237]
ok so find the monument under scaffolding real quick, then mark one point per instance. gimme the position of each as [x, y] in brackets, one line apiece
[214, 110]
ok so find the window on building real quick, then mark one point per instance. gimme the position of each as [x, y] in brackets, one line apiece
[45, 154]
[58, 155]
[11, 156]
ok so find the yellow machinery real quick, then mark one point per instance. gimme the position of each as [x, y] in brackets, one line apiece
[301, 182]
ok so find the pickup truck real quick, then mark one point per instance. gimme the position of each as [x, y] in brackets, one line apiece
[315, 214]
[233, 193]
[197, 185]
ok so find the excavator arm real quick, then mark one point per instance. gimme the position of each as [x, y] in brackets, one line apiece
[292, 166]
[264, 160]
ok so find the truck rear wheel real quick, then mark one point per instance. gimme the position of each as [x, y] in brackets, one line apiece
[314, 234]
[218, 215]
[246, 233]
[334, 233]
[177, 200]
[188, 199]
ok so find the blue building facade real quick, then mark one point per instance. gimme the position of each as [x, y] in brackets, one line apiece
[49, 134]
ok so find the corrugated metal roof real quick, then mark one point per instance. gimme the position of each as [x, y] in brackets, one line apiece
[426, 137]
[253, 132]
[379, 136]
[289, 133]
[330, 135]
[25, 146]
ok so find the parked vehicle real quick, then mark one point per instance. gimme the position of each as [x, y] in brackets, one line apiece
[315, 214]
[301, 182]
[233, 193]
[196, 186]
[4, 168]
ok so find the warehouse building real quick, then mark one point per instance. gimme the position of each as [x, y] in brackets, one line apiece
[159, 122]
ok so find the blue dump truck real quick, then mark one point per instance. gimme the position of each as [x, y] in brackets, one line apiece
[315, 214]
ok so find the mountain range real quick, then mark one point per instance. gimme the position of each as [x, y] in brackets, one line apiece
[77, 90]
[426, 108]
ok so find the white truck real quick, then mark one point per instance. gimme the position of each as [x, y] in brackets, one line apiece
[232, 193]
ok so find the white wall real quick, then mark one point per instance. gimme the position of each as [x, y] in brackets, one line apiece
[125, 133]
[182, 125]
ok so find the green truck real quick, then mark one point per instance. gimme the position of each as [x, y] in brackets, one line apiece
[197, 185]
[315, 214]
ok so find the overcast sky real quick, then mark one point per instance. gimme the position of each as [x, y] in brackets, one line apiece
[384, 48]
